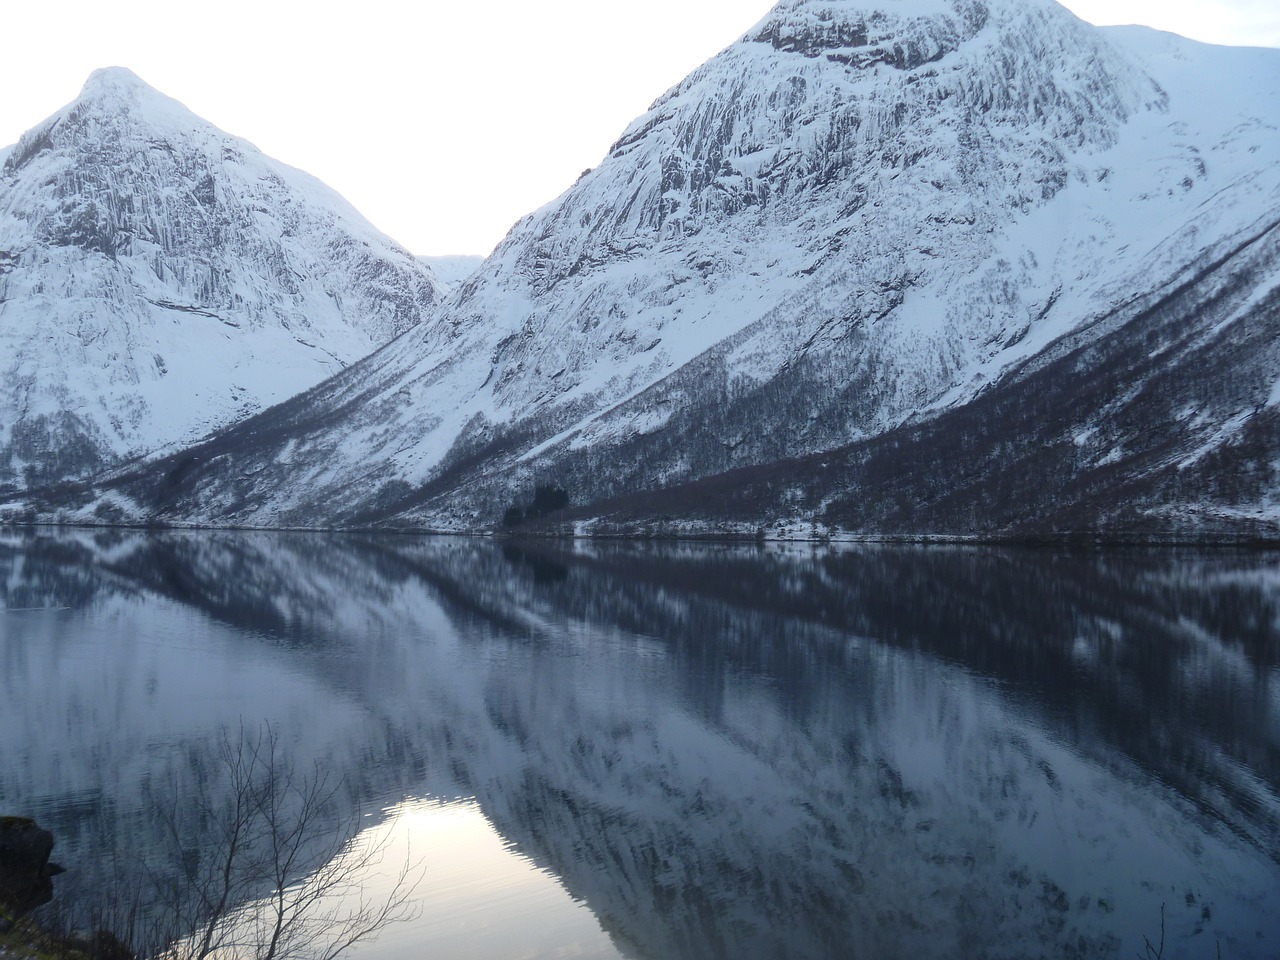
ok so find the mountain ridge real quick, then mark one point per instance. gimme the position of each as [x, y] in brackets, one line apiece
[827, 234]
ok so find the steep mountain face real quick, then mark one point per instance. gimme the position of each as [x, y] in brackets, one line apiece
[1158, 420]
[160, 279]
[1157, 414]
[859, 219]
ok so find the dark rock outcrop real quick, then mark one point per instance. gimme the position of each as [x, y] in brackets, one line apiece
[26, 875]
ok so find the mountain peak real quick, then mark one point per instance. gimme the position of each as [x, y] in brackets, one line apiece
[118, 91]
[871, 9]
[159, 277]
[112, 101]
[899, 33]
[113, 78]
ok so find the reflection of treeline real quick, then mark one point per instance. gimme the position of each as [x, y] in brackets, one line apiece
[1125, 646]
[38, 571]
[1136, 645]
[610, 791]
[547, 499]
[1110, 652]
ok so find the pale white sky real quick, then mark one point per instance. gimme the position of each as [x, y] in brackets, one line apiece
[443, 122]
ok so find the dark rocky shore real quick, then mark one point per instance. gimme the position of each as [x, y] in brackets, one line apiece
[26, 874]
[26, 883]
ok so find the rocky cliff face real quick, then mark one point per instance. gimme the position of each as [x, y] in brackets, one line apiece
[160, 279]
[854, 220]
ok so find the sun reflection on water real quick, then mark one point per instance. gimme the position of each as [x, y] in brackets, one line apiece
[470, 876]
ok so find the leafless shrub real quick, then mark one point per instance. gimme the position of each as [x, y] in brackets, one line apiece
[287, 875]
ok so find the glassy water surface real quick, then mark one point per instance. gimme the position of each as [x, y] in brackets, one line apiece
[681, 751]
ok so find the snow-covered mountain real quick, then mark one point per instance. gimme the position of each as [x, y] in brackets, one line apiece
[858, 223]
[160, 279]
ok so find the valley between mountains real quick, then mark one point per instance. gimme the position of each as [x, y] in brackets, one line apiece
[961, 268]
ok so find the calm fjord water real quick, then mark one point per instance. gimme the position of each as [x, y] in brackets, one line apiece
[684, 751]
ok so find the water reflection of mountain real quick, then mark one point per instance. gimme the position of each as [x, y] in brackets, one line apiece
[730, 752]
[1170, 660]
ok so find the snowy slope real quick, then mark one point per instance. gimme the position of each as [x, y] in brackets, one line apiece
[452, 271]
[160, 279]
[1156, 415]
[853, 220]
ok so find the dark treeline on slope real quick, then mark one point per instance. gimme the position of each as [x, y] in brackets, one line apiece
[1099, 435]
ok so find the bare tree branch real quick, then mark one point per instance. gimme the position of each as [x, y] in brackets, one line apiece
[288, 879]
